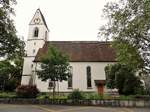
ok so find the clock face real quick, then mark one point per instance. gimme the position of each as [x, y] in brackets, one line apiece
[37, 20]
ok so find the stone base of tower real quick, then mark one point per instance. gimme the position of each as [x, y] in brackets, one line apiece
[25, 80]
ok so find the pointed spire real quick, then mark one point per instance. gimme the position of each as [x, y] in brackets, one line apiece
[42, 17]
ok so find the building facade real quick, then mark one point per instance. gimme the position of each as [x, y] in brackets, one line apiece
[87, 59]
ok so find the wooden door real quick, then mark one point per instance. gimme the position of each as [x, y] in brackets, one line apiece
[100, 89]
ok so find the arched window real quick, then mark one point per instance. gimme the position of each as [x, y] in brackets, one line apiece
[88, 73]
[31, 65]
[70, 78]
[45, 35]
[36, 32]
[50, 84]
[33, 51]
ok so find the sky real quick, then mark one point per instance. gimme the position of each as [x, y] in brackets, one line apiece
[68, 20]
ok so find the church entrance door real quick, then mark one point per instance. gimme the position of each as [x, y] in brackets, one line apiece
[100, 86]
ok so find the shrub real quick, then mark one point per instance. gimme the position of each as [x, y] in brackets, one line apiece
[10, 85]
[94, 96]
[145, 97]
[76, 95]
[124, 79]
[27, 91]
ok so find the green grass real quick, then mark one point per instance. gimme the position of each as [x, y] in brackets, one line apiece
[7, 94]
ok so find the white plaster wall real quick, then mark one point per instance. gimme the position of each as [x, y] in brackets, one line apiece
[27, 69]
[25, 80]
[42, 30]
[42, 85]
[28, 61]
[79, 77]
[33, 45]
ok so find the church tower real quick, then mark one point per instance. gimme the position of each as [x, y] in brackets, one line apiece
[38, 34]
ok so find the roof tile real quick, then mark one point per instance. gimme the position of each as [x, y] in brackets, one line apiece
[81, 51]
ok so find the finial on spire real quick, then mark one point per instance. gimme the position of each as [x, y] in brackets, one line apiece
[39, 7]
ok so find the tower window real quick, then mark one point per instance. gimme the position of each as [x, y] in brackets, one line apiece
[46, 35]
[70, 78]
[31, 65]
[36, 32]
[33, 50]
[88, 72]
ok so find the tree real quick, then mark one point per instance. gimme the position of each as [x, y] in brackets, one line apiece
[3, 74]
[124, 79]
[9, 43]
[10, 74]
[129, 22]
[11, 47]
[54, 67]
[129, 27]
[127, 54]
[11, 69]
[6, 71]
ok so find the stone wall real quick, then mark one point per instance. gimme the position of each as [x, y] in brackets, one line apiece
[110, 103]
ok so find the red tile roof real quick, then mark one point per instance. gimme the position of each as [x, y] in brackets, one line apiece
[81, 51]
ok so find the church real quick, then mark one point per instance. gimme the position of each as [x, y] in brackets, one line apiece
[86, 58]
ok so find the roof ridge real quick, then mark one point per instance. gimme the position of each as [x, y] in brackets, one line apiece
[105, 42]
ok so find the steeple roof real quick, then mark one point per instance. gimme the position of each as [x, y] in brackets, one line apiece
[42, 17]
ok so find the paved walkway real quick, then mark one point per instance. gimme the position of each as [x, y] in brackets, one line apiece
[60, 108]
